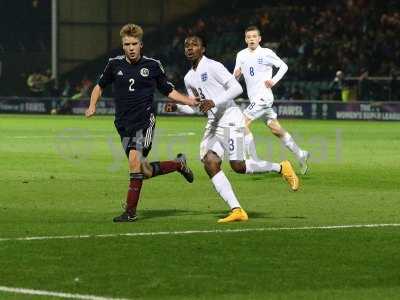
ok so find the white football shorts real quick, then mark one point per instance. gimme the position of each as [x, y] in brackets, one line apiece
[260, 108]
[226, 142]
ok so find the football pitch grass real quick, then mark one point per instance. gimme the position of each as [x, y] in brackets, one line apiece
[63, 179]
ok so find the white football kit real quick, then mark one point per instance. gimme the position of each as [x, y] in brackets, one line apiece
[256, 67]
[224, 132]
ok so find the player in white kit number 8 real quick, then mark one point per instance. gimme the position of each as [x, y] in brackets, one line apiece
[210, 81]
[255, 64]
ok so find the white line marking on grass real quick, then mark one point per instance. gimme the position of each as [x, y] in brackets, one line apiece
[132, 234]
[54, 294]
[179, 134]
[88, 136]
[55, 136]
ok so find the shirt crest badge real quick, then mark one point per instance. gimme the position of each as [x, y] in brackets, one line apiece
[144, 72]
[260, 60]
[204, 76]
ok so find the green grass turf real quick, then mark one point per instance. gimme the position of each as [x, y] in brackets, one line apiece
[68, 176]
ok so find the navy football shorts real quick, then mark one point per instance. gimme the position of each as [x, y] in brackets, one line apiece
[138, 139]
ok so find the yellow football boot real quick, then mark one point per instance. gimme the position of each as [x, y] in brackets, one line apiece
[237, 214]
[289, 175]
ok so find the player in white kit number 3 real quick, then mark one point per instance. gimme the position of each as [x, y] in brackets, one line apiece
[210, 81]
[255, 64]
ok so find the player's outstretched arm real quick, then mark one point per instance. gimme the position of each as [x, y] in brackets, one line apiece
[94, 97]
[283, 67]
[232, 90]
[237, 73]
[182, 99]
[185, 109]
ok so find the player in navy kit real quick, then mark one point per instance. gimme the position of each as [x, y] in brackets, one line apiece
[135, 78]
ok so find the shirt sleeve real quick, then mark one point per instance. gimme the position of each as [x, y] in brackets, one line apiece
[189, 90]
[186, 109]
[220, 73]
[107, 76]
[282, 70]
[232, 90]
[237, 63]
[272, 59]
[163, 85]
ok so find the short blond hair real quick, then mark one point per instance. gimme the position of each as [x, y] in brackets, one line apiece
[132, 30]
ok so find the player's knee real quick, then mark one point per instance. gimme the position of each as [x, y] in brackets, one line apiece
[147, 173]
[238, 166]
[147, 170]
[211, 160]
[247, 123]
[134, 162]
[134, 166]
[275, 132]
[212, 163]
[275, 129]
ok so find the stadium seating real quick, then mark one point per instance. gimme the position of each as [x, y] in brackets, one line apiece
[24, 43]
[316, 38]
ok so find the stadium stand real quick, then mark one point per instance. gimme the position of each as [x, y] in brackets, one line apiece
[316, 38]
[24, 43]
[319, 39]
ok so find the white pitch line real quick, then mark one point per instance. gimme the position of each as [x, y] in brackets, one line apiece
[88, 136]
[179, 134]
[55, 136]
[54, 294]
[189, 232]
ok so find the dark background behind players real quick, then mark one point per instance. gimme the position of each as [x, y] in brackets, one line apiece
[320, 39]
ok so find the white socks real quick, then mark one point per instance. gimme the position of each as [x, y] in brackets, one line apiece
[261, 166]
[289, 142]
[251, 153]
[224, 189]
[250, 146]
[254, 164]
